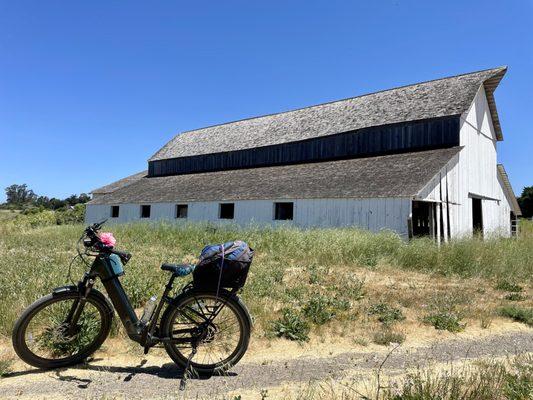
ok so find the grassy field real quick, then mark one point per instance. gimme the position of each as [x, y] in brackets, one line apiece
[303, 283]
[510, 379]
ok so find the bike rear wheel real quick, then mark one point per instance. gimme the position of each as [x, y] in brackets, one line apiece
[220, 343]
[43, 338]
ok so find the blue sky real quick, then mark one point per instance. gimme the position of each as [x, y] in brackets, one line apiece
[90, 90]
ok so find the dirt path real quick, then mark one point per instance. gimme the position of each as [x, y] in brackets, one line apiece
[154, 377]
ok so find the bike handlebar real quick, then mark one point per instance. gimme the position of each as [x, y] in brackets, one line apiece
[94, 242]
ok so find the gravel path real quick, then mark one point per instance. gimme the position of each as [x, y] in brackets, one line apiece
[155, 377]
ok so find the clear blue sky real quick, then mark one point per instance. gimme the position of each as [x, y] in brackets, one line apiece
[89, 90]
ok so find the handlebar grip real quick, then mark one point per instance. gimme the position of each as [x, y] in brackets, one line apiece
[125, 257]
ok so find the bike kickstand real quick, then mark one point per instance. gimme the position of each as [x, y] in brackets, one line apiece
[186, 371]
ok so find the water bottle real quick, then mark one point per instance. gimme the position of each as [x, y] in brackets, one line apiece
[149, 309]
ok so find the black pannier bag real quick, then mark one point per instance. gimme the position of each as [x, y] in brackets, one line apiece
[231, 269]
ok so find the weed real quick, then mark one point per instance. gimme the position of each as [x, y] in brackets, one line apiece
[387, 336]
[5, 366]
[519, 314]
[515, 297]
[361, 341]
[445, 321]
[316, 274]
[489, 380]
[319, 309]
[506, 286]
[354, 288]
[291, 326]
[386, 313]
[446, 310]
[485, 318]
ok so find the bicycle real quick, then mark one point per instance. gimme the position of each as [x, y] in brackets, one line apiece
[203, 329]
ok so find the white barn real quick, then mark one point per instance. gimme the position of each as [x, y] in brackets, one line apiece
[419, 160]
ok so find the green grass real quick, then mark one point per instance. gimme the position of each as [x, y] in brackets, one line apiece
[520, 314]
[506, 286]
[8, 215]
[35, 260]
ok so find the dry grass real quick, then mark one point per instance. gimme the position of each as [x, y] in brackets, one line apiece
[329, 278]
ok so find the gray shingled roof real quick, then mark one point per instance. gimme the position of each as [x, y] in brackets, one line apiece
[120, 183]
[398, 175]
[438, 98]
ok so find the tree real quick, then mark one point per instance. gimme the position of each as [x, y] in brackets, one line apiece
[526, 202]
[19, 195]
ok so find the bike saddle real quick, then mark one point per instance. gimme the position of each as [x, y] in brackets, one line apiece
[178, 269]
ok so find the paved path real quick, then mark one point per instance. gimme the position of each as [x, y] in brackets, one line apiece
[155, 377]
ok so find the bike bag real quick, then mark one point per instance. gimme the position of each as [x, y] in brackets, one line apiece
[223, 265]
[109, 267]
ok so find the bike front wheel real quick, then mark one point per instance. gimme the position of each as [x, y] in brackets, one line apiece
[43, 337]
[218, 328]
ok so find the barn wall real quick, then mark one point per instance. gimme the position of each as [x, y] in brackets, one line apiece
[372, 214]
[386, 139]
[473, 174]
[446, 188]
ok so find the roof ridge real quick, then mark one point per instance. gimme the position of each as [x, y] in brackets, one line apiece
[338, 101]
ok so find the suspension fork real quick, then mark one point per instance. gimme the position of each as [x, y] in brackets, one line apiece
[84, 288]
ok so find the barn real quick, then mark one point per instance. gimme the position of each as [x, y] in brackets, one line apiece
[418, 160]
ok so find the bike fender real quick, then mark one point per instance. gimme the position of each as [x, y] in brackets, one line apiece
[65, 289]
[74, 289]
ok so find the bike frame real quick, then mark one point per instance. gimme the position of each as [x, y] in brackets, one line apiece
[104, 267]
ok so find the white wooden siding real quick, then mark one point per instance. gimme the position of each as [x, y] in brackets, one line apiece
[372, 214]
[473, 173]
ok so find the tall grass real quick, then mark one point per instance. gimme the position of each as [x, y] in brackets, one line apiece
[34, 260]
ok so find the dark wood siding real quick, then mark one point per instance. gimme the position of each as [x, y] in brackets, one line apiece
[387, 139]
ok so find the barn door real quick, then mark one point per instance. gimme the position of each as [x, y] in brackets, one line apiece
[423, 219]
[477, 216]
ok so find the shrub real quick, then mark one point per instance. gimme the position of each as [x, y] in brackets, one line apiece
[386, 313]
[319, 309]
[291, 326]
[519, 314]
[445, 321]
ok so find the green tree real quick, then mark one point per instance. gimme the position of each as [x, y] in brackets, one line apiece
[19, 195]
[526, 202]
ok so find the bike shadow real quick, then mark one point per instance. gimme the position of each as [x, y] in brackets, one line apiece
[165, 371]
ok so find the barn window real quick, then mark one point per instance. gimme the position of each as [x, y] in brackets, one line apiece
[145, 211]
[283, 211]
[226, 210]
[115, 211]
[182, 210]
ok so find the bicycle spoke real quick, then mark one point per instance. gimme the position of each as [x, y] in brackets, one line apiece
[219, 330]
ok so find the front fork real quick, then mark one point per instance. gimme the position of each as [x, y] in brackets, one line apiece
[84, 288]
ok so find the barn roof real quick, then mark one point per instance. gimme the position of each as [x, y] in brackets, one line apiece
[508, 189]
[120, 183]
[437, 98]
[397, 175]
